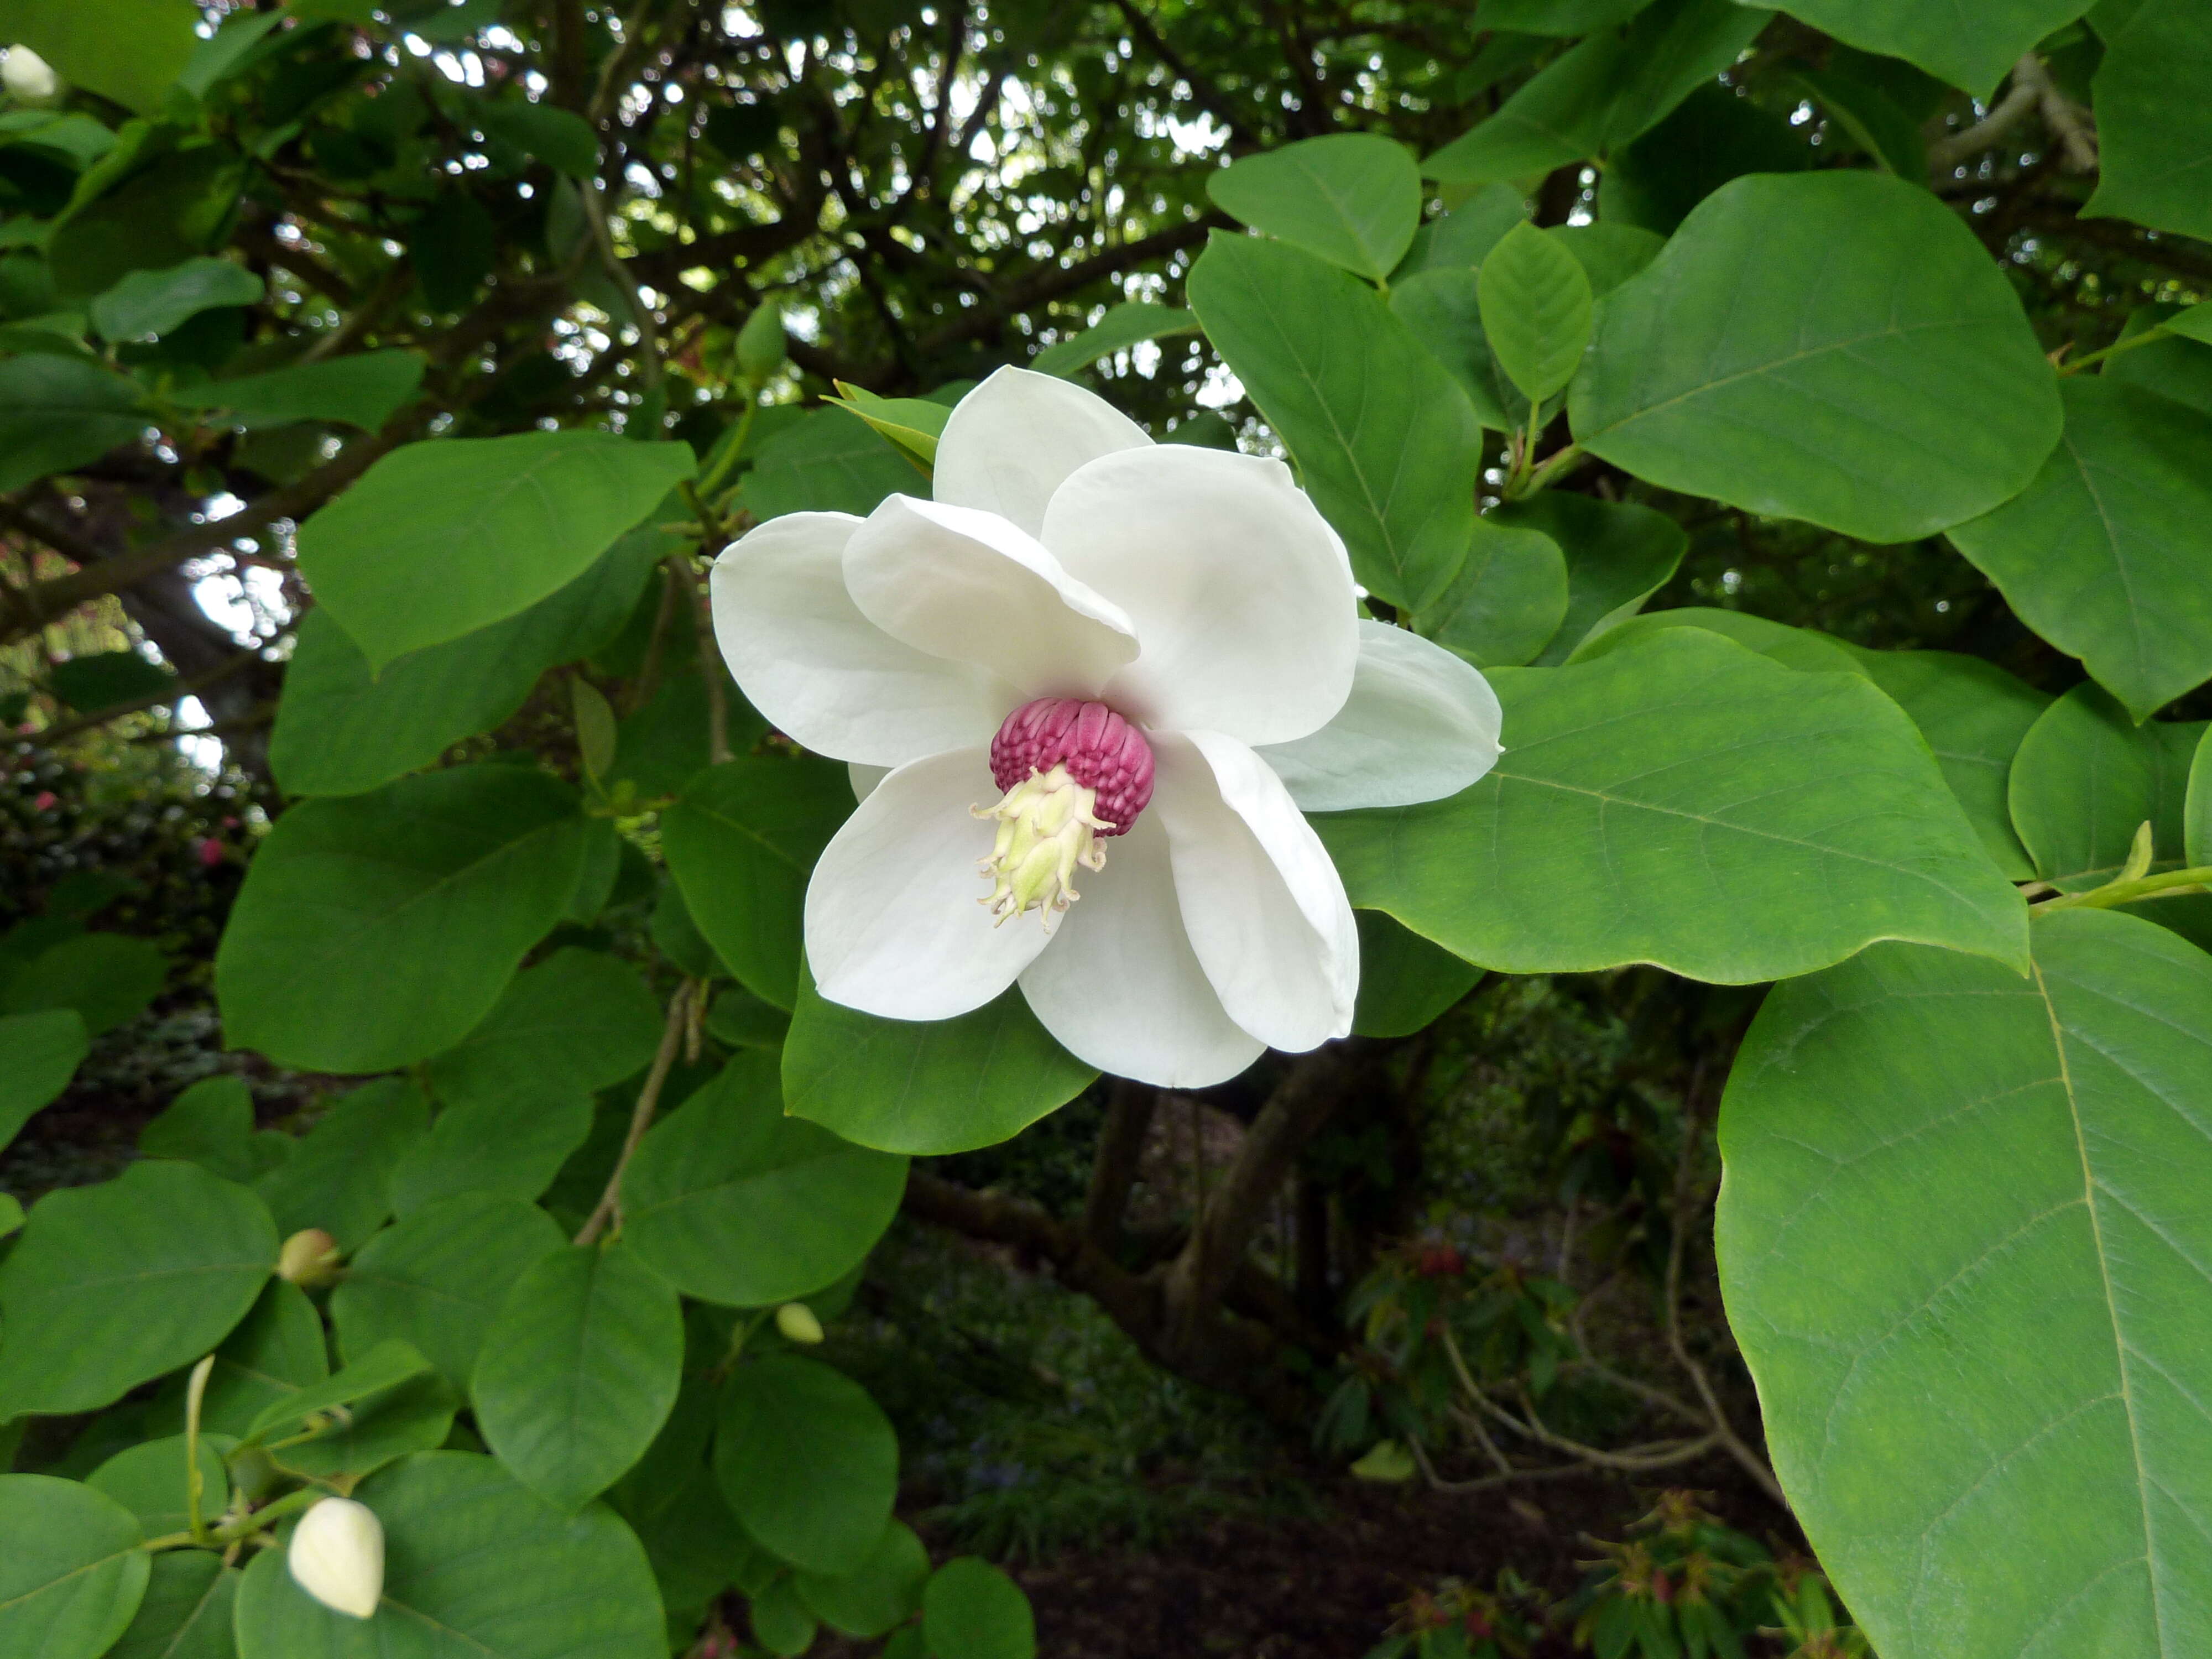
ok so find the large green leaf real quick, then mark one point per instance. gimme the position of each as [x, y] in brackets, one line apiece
[1618, 554]
[1974, 715]
[474, 1565]
[741, 843]
[730, 1200]
[437, 1279]
[510, 1145]
[107, 978]
[1458, 241]
[1535, 302]
[1385, 440]
[344, 727]
[59, 412]
[419, 900]
[71, 1571]
[364, 390]
[38, 1054]
[210, 1124]
[808, 1462]
[1973, 47]
[186, 1611]
[339, 1176]
[1351, 199]
[2086, 777]
[1990, 1420]
[1443, 309]
[148, 1479]
[827, 463]
[151, 302]
[2154, 93]
[109, 1286]
[127, 50]
[579, 1370]
[2122, 511]
[1561, 17]
[1716, 135]
[1805, 649]
[925, 1086]
[388, 1364]
[1404, 981]
[1601, 93]
[440, 538]
[277, 1349]
[1508, 597]
[413, 1416]
[578, 1018]
[1687, 802]
[1833, 346]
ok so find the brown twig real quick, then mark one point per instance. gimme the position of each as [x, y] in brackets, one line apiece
[609, 1209]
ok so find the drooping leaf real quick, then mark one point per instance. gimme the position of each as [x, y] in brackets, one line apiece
[474, 1563]
[579, 1370]
[971, 1607]
[1509, 597]
[71, 1572]
[925, 1087]
[730, 1200]
[440, 538]
[1835, 347]
[579, 1018]
[364, 390]
[58, 412]
[419, 899]
[437, 1279]
[110, 1285]
[38, 1054]
[1352, 198]
[1989, 1420]
[1632, 819]
[2122, 509]
[1384, 438]
[1618, 554]
[2153, 98]
[808, 1462]
[151, 302]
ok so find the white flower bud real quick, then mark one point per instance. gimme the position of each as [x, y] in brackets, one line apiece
[338, 1556]
[798, 1323]
[28, 77]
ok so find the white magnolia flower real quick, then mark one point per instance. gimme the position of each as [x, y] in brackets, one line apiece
[1098, 666]
[28, 77]
[338, 1556]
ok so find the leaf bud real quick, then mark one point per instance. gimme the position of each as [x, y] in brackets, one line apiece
[760, 345]
[798, 1323]
[338, 1556]
[28, 77]
[309, 1259]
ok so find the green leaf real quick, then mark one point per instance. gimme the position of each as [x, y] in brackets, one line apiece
[881, 1595]
[440, 538]
[1561, 17]
[339, 1177]
[365, 389]
[1974, 715]
[1597, 96]
[973, 1609]
[437, 1279]
[38, 1054]
[579, 1372]
[420, 899]
[1805, 649]
[808, 1462]
[57, 413]
[1404, 981]
[126, 50]
[578, 1018]
[343, 727]
[1352, 198]
[1442, 309]
[1385, 440]
[2195, 323]
[11, 1214]
[2173, 365]
[210, 1124]
[739, 1019]
[2120, 510]
[1989, 1419]
[474, 1564]
[2153, 96]
[107, 978]
[71, 1572]
[1509, 597]
[925, 1087]
[1835, 347]
[730, 1200]
[1686, 804]
[2086, 777]
[1717, 135]
[147, 303]
[149, 1480]
[510, 1145]
[915, 424]
[414, 1416]
[386, 1365]
[1862, 113]
[1121, 327]
[1973, 47]
[186, 1611]
[741, 843]
[109, 1286]
[564, 142]
[277, 1349]
[102, 679]
[1618, 555]
[826, 462]
[1609, 254]
[1535, 299]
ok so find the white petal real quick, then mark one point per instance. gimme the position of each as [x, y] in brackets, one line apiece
[1121, 987]
[894, 922]
[1013, 440]
[1420, 724]
[965, 585]
[805, 657]
[866, 778]
[1241, 593]
[1263, 905]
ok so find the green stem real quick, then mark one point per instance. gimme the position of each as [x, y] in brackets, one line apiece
[244, 1526]
[725, 463]
[2173, 883]
[1573, 456]
[195, 1487]
[2112, 350]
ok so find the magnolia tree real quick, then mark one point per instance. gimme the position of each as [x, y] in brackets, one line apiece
[974, 741]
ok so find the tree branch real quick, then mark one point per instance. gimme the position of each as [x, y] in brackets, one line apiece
[1129, 1110]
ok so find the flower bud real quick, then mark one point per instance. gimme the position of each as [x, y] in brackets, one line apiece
[309, 1258]
[798, 1323]
[760, 345]
[338, 1556]
[28, 77]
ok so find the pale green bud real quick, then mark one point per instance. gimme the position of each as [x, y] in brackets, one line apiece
[798, 1323]
[28, 77]
[760, 345]
[309, 1258]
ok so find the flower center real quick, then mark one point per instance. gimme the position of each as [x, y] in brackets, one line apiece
[1074, 772]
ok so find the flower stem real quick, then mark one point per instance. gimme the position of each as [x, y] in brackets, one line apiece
[2112, 350]
[609, 1209]
[2174, 884]
[195, 1493]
